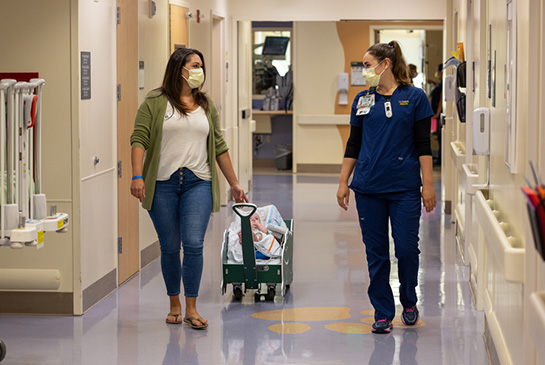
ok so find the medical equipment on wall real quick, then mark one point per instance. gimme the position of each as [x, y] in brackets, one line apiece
[481, 138]
[23, 206]
[481, 131]
[450, 88]
[342, 86]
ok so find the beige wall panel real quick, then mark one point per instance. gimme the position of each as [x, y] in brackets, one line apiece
[350, 9]
[98, 227]
[199, 38]
[315, 79]
[320, 145]
[153, 46]
[42, 45]
[318, 58]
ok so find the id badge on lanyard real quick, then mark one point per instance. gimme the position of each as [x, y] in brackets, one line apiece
[365, 103]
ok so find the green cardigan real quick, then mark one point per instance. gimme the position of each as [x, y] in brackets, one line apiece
[148, 132]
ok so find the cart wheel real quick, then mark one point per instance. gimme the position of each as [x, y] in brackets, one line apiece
[271, 292]
[257, 297]
[237, 291]
[2, 350]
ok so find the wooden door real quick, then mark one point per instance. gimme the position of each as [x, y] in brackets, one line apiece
[179, 30]
[127, 79]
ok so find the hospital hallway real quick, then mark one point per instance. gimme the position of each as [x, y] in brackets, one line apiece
[325, 317]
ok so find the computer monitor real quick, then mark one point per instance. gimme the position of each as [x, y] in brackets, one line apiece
[275, 46]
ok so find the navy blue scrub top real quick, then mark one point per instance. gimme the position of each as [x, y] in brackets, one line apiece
[388, 161]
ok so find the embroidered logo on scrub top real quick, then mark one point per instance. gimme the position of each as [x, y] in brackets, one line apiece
[403, 102]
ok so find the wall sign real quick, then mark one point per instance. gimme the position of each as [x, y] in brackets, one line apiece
[356, 78]
[85, 75]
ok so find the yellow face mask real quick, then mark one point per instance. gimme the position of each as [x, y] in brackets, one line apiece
[196, 77]
[370, 75]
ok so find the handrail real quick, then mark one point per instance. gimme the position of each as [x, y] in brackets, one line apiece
[501, 241]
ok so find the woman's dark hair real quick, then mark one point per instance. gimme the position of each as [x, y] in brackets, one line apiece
[173, 80]
[392, 50]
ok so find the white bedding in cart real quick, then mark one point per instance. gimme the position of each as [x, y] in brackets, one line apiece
[268, 245]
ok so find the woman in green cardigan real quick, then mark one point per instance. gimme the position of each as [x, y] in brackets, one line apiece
[177, 129]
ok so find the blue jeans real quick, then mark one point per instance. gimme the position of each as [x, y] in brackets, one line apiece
[403, 209]
[180, 212]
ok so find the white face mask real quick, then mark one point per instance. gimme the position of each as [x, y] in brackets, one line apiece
[370, 75]
[196, 77]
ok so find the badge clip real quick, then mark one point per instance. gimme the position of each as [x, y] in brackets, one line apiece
[388, 109]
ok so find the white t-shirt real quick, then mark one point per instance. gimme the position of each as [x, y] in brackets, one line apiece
[184, 144]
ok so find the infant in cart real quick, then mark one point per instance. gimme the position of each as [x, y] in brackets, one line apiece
[257, 251]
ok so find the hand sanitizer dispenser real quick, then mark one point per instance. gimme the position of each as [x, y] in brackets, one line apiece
[450, 87]
[342, 81]
[481, 131]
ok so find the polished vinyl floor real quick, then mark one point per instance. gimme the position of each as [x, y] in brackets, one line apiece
[325, 318]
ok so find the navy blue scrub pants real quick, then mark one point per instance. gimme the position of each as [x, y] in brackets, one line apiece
[404, 210]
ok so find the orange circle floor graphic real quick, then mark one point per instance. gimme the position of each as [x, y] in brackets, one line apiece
[291, 319]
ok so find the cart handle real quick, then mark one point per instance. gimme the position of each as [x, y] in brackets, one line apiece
[241, 213]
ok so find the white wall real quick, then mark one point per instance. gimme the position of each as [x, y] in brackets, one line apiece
[97, 118]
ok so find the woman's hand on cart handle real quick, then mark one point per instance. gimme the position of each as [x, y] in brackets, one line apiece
[238, 194]
[138, 189]
[343, 196]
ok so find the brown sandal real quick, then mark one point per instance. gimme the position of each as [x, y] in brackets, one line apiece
[177, 318]
[190, 321]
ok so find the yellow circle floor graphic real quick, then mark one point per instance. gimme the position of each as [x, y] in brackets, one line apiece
[291, 319]
[290, 327]
[305, 314]
[349, 328]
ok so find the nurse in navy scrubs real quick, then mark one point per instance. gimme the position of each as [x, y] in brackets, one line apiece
[388, 155]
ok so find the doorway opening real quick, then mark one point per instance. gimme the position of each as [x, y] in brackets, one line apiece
[272, 96]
